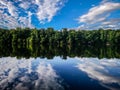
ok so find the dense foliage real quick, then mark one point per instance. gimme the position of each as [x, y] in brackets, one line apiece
[50, 36]
[49, 43]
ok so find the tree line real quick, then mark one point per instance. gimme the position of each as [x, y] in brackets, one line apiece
[49, 36]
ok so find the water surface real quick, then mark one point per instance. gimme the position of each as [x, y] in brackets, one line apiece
[59, 74]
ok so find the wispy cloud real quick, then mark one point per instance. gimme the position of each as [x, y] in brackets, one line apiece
[47, 9]
[22, 11]
[99, 14]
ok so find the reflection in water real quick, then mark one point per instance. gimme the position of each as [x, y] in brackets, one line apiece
[107, 72]
[27, 75]
[50, 51]
[59, 74]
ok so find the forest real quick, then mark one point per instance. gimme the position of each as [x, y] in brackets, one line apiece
[26, 42]
[30, 37]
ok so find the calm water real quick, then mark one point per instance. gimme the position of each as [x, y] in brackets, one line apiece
[59, 74]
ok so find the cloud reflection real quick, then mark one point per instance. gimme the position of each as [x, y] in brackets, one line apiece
[107, 72]
[27, 75]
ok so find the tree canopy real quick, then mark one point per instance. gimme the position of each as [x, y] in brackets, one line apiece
[49, 43]
[49, 36]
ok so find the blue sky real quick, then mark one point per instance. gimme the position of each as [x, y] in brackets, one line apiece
[77, 14]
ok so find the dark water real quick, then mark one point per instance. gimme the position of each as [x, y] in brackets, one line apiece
[59, 74]
[50, 51]
[59, 68]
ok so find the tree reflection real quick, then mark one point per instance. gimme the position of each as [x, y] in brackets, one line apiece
[50, 51]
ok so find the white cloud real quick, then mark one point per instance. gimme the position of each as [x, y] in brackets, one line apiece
[111, 21]
[47, 9]
[98, 14]
[104, 1]
[21, 11]
[7, 21]
[24, 5]
[105, 71]
[12, 9]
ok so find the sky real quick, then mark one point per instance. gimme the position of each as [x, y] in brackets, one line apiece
[72, 14]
